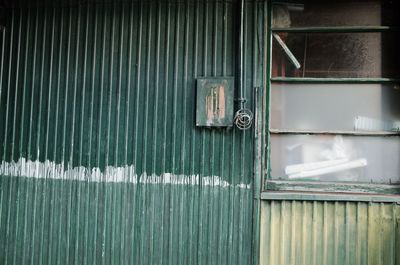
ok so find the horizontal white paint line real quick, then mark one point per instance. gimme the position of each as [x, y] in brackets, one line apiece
[124, 174]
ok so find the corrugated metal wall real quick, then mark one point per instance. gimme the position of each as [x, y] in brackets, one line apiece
[101, 161]
[314, 233]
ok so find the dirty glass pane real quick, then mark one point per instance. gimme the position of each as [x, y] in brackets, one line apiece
[336, 158]
[343, 107]
[336, 55]
[335, 13]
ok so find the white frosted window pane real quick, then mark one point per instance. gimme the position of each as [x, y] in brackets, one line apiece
[345, 107]
[336, 158]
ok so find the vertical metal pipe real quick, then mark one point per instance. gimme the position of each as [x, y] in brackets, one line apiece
[241, 39]
[244, 117]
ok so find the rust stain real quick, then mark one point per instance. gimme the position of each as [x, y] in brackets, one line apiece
[215, 103]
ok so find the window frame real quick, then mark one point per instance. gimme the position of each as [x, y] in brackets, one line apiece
[320, 186]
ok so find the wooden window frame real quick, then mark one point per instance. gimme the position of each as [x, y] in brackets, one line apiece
[320, 186]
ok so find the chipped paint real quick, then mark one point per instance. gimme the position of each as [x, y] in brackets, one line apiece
[113, 86]
[52, 170]
[215, 104]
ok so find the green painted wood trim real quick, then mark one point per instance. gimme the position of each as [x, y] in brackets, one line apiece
[352, 133]
[349, 189]
[365, 29]
[305, 196]
[335, 80]
[259, 131]
[267, 152]
[286, 185]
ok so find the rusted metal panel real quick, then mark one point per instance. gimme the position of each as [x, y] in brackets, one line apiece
[318, 232]
[101, 161]
[214, 102]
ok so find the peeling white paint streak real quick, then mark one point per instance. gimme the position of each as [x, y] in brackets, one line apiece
[125, 174]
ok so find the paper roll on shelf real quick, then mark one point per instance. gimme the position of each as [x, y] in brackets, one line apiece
[330, 169]
[297, 168]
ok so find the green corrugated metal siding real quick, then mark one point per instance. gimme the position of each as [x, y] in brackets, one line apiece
[101, 161]
[306, 232]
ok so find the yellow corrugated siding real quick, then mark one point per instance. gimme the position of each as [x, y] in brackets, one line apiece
[317, 232]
